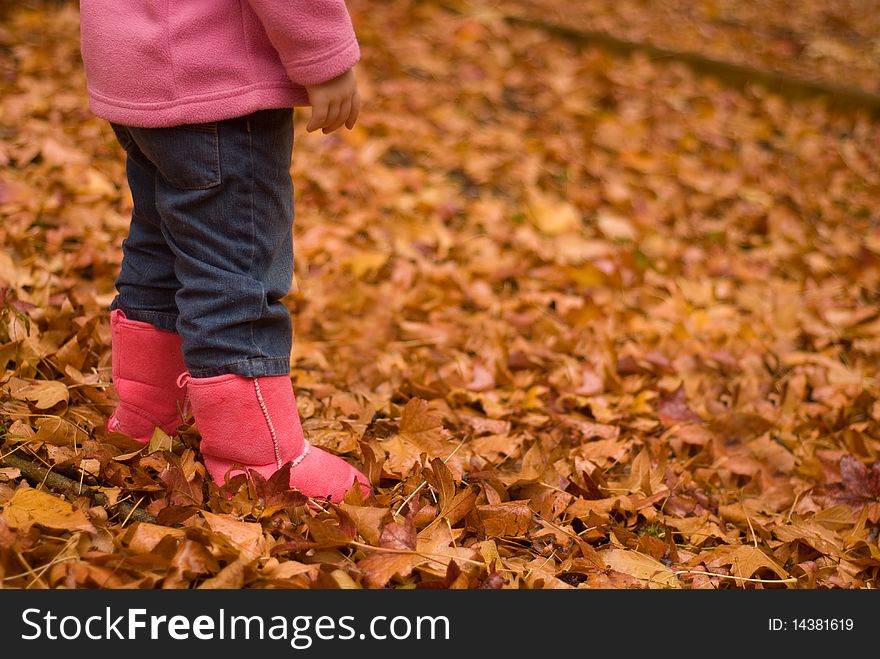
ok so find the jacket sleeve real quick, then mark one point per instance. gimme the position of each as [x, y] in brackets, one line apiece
[314, 38]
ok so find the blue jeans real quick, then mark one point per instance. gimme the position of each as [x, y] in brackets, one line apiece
[210, 249]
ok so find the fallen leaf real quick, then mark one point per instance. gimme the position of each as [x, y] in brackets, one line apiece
[60, 432]
[615, 227]
[652, 573]
[143, 537]
[379, 568]
[229, 578]
[506, 519]
[673, 408]
[746, 561]
[368, 520]
[30, 506]
[421, 427]
[398, 536]
[553, 217]
[44, 394]
[247, 536]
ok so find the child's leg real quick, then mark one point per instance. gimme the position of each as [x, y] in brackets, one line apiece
[225, 198]
[146, 354]
[146, 283]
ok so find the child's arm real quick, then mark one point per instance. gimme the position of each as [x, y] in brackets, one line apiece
[318, 47]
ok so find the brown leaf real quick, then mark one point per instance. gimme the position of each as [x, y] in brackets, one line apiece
[44, 393]
[283, 573]
[172, 515]
[588, 429]
[275, 493]
[142, 537]
[368, 520]
[591, 489]
[615, 227]
[421, 428]
[551, 216]
[859, 482]
[329, 534]
[507, 519]
[672, 407]
[739, 425]
[294, 544]
[372, 463]
[230, 577]
[29, 506]
[651, 572]
[60, 432]
[457, 509]
[379, 568]
[193, 559]
[746, 561]
[398, 536]
[181, 490]
[441, 479]
[493, 581]
[247, 536]
[9, 474]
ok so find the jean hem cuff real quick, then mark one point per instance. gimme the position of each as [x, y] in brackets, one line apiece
[159, 319]
[248, 368]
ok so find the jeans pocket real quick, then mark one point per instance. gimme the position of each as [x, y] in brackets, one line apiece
[187, 156]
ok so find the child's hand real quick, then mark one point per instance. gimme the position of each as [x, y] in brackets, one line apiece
[334, 103]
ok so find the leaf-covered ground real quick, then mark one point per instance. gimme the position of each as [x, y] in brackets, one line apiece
[586, 322]
[835, 42]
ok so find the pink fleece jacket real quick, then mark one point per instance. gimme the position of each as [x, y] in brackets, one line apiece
[168, 62]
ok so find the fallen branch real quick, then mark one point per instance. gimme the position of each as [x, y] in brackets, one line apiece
[40, 476]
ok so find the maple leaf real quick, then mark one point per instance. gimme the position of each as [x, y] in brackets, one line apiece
[181, 490]
[420, 431]
[275, 493]
[421, 427]
[746, 561]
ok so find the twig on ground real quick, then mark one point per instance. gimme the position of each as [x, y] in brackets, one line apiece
[38, 475]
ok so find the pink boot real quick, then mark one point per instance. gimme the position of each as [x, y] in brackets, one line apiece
[146, 364]
[253, 423]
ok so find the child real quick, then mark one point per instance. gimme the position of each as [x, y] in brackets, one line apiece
[199, 94]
